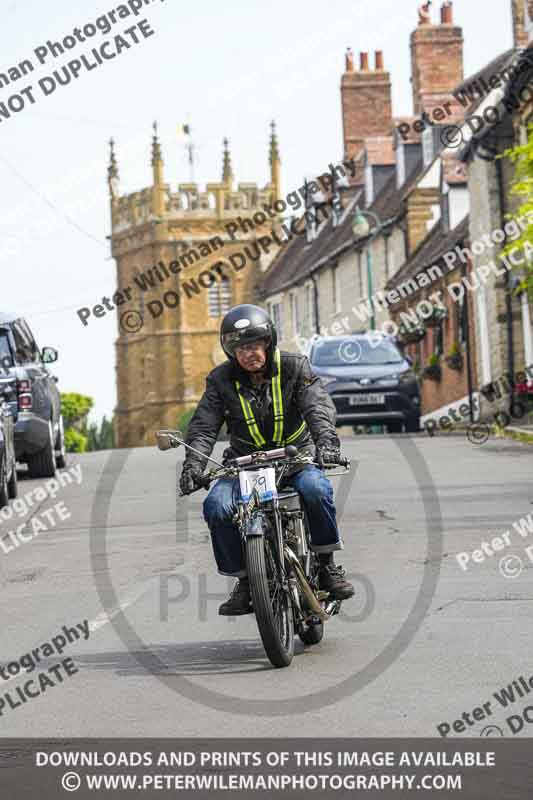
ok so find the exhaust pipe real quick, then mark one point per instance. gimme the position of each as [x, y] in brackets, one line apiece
[313, 603]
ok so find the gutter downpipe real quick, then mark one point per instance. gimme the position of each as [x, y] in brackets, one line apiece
[508, 290]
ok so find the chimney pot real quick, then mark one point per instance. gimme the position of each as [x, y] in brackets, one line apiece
[431, 47]
[424, 14]
[349, 59]
[379, 59]
[363, 60]
[446, 13]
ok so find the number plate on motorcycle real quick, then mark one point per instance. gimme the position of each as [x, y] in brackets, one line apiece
[263, 480]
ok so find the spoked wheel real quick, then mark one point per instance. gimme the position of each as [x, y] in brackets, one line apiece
[271, 602]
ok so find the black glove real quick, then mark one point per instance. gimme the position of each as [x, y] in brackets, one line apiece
[328, 451]
[191, 477]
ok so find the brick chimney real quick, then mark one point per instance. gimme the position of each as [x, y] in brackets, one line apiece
[436, 58]
[366, 102]
[519, 30]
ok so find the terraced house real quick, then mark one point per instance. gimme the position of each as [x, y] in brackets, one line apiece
[333, 281]
[433, 193]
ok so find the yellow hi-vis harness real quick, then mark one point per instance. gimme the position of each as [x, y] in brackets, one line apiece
[277, 401]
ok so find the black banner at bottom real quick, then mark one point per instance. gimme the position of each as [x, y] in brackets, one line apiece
[466, 769]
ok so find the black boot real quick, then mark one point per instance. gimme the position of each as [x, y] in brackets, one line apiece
[239, 601]
[331, 578]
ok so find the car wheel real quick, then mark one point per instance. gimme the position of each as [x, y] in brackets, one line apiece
[413, 424]
[43, 464]
[61, 453]
[4, 494]
[12, 484]
[394, 427]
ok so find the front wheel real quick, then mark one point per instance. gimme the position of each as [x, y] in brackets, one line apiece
[271, 604]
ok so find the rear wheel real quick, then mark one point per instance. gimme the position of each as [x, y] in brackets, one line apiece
[270, 602]
[43, 464]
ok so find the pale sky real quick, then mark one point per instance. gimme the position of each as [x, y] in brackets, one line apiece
[228, 69]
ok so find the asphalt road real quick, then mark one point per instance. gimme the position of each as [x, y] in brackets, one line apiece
[422, 642]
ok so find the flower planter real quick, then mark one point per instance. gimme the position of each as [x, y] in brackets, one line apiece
[412, 337]
[455, 361]
[433, 373]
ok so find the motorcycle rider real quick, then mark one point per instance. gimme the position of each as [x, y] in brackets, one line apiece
[267, 399]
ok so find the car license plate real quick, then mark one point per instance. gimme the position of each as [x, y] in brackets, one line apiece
[367, 400]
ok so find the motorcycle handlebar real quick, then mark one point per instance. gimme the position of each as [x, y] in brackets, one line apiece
[204, 481]
[290, 451]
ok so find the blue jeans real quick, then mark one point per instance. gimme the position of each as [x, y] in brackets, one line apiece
[221, 503]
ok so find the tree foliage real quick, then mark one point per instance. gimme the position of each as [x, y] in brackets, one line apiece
[101, 437]
[522, 186]
[75, 442]
[75, 409]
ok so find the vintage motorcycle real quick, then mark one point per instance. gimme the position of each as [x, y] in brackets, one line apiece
[282, 568]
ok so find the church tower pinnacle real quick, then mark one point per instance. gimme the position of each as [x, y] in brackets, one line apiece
[275, 163]
[158, 203]
[113, 180]
[227, 171]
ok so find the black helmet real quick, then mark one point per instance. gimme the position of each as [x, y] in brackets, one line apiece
[247, 323]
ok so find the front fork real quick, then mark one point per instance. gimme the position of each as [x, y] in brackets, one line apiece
[258, 524]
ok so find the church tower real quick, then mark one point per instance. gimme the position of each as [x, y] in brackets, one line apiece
[183, 258]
